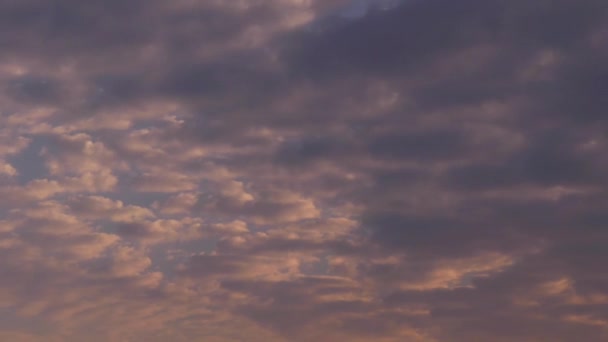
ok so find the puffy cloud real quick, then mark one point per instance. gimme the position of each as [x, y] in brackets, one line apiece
[7, 169]
[178, 204]
[160, 231]
[77, 154]
[97, 207]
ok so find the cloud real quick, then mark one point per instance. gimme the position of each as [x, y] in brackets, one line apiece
[288, 170]
[96, 208]
[160, 231]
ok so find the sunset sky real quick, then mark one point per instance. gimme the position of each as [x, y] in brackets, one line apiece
[304, 170]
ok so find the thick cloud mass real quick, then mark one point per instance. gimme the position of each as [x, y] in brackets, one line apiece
[289, 170]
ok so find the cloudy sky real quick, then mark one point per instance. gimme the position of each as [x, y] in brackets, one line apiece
[304, 170]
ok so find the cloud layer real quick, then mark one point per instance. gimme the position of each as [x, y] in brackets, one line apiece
[303, 170]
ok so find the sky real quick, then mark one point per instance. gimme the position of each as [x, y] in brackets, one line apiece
[303, 170]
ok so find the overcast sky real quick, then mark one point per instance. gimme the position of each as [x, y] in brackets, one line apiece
[304, 170]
